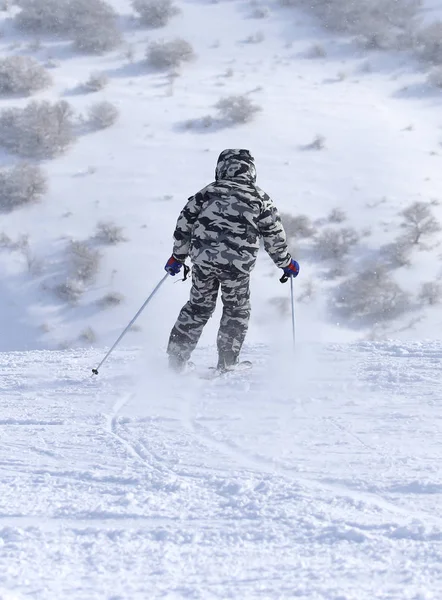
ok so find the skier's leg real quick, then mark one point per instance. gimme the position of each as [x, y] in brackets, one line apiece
[193, 316]
[235, 293]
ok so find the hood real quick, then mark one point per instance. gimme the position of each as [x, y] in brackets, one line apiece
[237, 165]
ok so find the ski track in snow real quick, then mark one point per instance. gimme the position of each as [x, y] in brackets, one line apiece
[327, 486]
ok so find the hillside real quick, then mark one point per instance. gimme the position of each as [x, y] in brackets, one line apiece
[376, 117]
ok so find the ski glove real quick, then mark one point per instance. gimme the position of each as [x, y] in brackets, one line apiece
[291, 270]
[173, 266]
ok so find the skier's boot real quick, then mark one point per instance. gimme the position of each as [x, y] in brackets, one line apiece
[226, 361]
[177, 363]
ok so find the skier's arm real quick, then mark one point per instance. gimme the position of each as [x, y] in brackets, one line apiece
[273, 234]
[184, 227]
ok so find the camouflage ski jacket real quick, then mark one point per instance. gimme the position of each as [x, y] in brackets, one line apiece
[223, 223]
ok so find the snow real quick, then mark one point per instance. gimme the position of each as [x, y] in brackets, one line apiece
[322, 485]
[139, 172]
[315, 475]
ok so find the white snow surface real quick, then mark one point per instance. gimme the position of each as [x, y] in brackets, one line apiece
[317, 478]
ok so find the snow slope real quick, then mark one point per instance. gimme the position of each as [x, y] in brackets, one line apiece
[324, 487]
[139, 172]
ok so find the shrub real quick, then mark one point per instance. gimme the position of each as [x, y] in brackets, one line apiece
[316, 51]
[431, 292]
[429, 43]
[96, 82]
[88, 336]
[103, 114]
[69, 291]
[335, 243]
[419, 221]
[22, 75]
[109, 233]
[397, 254]
[299, 226]
[155, 13]
[110, 300]
[85, 261]
[21, 185]
[40, 130]
[42, 16]
[236, 109]
[435, 77]
[318, 143]
[91, 23]
[166, 55]
[370, 295]
[337, 215]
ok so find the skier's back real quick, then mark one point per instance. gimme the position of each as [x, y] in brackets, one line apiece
[220, 229]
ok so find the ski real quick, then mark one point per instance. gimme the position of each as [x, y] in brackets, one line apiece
[214, 373]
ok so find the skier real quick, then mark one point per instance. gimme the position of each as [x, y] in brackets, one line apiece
[220, 229]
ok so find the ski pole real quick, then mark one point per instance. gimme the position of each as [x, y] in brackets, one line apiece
[292, 293]
[157, 287]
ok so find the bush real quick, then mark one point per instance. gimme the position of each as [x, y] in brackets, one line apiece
[155, 13]
[236, 109]
[299, 226]
[435, 77]
[91, 23]
[431, 293]
[103, 114]
[70, 291]
[166, 55]
[43, 16]
[335, 243]
[397, 254]
[88, 336]
[429, 43]
[370, 295]
[109, 233]
[20, 185]
[40, 130]
[96, 82]
[85, 261]
[22, 75]
[419, 221]
[111, 300]
[337, 215]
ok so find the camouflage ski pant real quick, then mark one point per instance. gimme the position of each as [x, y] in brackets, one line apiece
[235, 295]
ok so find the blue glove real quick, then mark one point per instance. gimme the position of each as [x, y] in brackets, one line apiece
[173, 266]
[292, 269]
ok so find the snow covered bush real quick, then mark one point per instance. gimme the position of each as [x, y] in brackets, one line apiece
[22, 75]
[40, 130]
[335, 243]
[42, 16]
[166, 55]
[85, 261]
[92, 24]
[299, 226]
[236, 110]
[419, 221]
[397, 254]
[435, 77]
[371, 295]
[431, 293]
[96, 82]
[21, 185]
[337, 215]
[87, 336]
[109, 233]
[111, 300]
[103, 115]
[155, 13]
[429, 43]
[69, 291]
